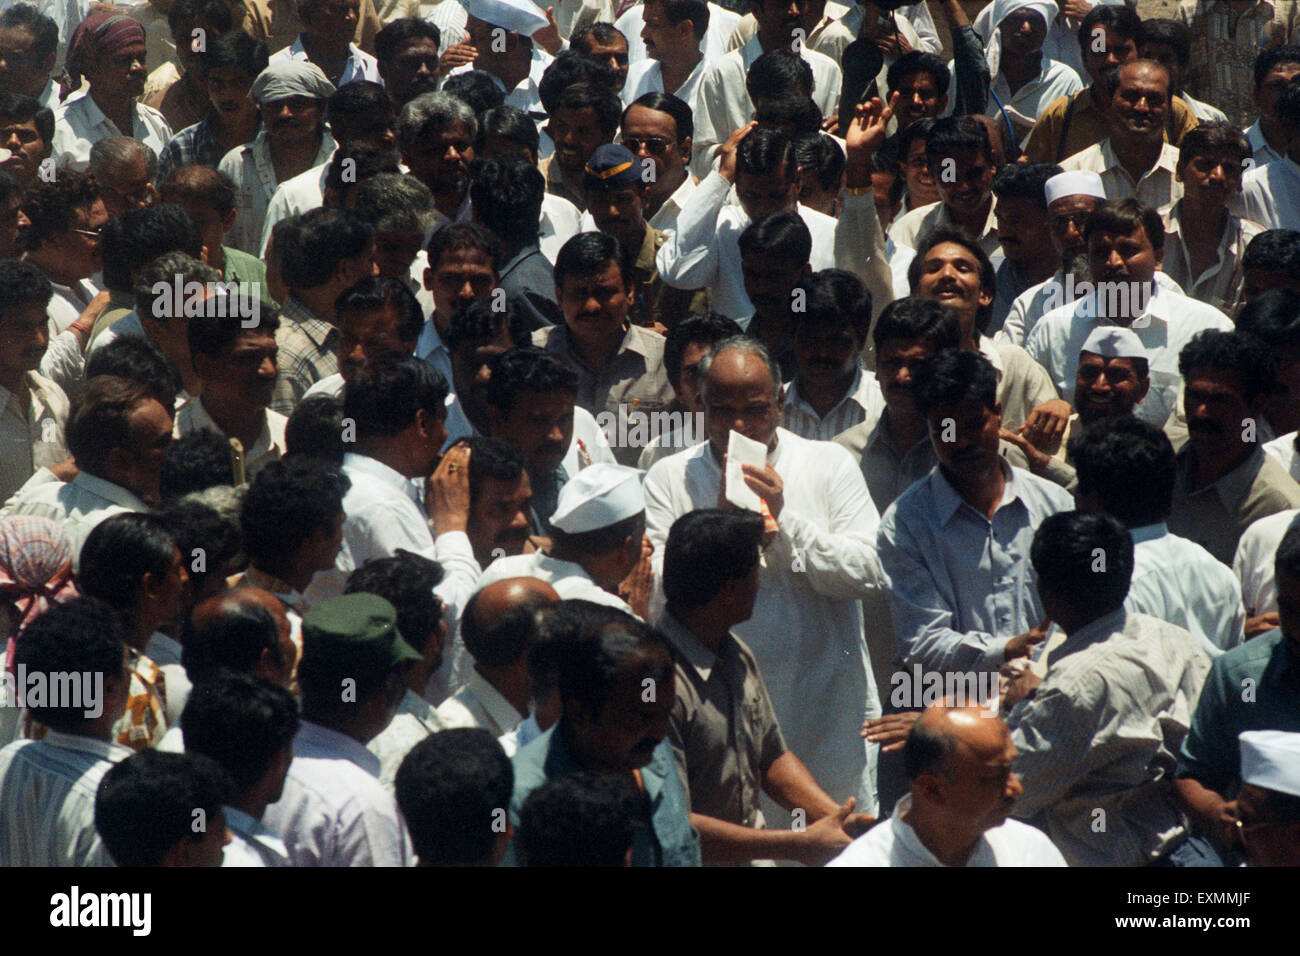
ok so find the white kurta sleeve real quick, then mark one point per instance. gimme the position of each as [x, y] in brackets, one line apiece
[860, 248]
[689, 257]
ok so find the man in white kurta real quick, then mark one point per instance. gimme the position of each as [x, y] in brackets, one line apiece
[806, 631]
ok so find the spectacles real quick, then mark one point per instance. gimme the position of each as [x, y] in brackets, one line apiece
[653, 144]
[90, 233]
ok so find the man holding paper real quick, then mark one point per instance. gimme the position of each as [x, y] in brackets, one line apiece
[819, 560]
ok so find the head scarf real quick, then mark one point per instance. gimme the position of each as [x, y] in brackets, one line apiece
[286, 78]
[101, 32]
[35, 571]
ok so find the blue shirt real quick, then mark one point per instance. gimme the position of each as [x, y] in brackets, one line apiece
[670, 839]
[961, 586]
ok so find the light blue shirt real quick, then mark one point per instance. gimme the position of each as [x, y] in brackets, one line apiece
[960, 585]
[1178, 581]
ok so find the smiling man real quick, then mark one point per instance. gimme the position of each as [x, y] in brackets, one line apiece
[582, 118]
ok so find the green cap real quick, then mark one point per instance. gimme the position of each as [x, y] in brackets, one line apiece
[355, 630]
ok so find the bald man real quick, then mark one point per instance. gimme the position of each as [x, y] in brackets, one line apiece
[958, 760]
[500, 623]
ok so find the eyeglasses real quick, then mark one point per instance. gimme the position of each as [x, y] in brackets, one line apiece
[90, 233]
[653, 144]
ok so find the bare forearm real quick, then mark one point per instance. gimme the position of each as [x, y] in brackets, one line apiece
[723, 842]
[1204, 805]
[789, 783]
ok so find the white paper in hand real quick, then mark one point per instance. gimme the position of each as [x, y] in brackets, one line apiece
[743, 451]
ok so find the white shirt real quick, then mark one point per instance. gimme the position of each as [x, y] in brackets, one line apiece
[31, 431]
[665, 217]
[560, 222]
[78, 505]
[1283, 451]
[721, 24]
[1157, 187]
[725, 106]
[479, 704]
[270, 445]
[1254, 560]
[893, 842]
[705, 249]
[1027, 103]
[647, 76]
[68, 302]
[251, 170]
[1204, 112]
[79, 124]
[415, 719]
[863, 400]
[293, 196]
[806, 631]
[568, 578]
[1270, 195]
[1261, 152]
[1178, 581]
[1169, 321]
[1220, 284]
[360, 65]
[47, 800]
[333, 811]
[1036, 301]
[252, 843]
[331, 386]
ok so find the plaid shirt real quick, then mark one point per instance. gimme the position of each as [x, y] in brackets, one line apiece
[193, 146]
[306, 356]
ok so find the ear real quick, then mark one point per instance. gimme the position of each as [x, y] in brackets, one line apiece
[686, 150]
[1143, 386]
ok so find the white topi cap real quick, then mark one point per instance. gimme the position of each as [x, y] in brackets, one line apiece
[1271, 759]
[598, 496]
[519, 16]
[1114, 341]
[1077, 182]
[1002, 9]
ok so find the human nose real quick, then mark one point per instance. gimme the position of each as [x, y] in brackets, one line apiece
[1014, 788]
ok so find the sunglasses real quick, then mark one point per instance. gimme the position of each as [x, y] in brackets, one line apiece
[653, 144]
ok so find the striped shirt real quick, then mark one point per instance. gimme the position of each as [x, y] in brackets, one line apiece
[193, 146]
[47, 800]
[862, 401]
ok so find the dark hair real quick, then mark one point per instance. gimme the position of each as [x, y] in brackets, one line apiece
[581, 819]
[1273, 317]
[1237, 352]
[396, 32]
[602, 646]
[80, 636]
[1273, 250]
[511, 124]
[960, 237]
[201, 184]
[141, 361]
[476, 89]
[236, 50]
[156, 293]
[1171, 33]
[1287, 107]
[460, 236]
[919, 129]
[1129, 465]
[52, 207]
[44, 31]
[1285, 561]
[919, 61]
[1274, 56]
[374, 293]
[588, 253]
[505, 640]
[389, 390]
[600, 31]
[710, 328]
[766, 151]
[208, 541]
[778, 71]
[317, 241]
[100, 420]
[9, 187]
[527, 370]
[581, 96]
[954, 375]
[358, 101]
[357, 161]
[957, 134]
[240, 721]
[697, 11]
[791, 109]
[1117, 18]
[195, 462]
[234, 639]
[916, 317]
[1213, 137]
[315, 430]
[287, 502]
[1024, 181]
[707, 549]
[452, 789]
[406, 581]
[507, 193]
[478, 322]
[1066, 559]
[18, 108]
[570, 68]
[146, 804]
[833, 297]
[211, 335]
[21, 283]
[782, 234]
[677, 108]
[117, 555]
[821, 160]
[135, 238]
[190, 12]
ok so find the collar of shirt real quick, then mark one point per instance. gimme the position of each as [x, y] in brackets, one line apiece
[633, 341]
[376, 469]
[1096, 630]
[559, 762]
[1148, 532]
[1231, 232]
[312, 325]
[269, 582]
[463, 214]
[944, 220]
[677, 198]
[857, 392]
[1259, 145]
[265, 440]
[1232, 488]
[1159, 308]
[38, 398]
[97, 119]
[1167, 161]
[255, 831]
[413, 705]
[115, 494]
[904, 834]
[989, 349]
[315, 741]
[692, 648]
[501, 711]
[948, 502]
[162, 649]
[429, 341]
[104, 749]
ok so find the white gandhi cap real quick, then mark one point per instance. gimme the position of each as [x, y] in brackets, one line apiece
[598, 496]
[1079, 182]
[1271, 759]
[1114, 341]
[519, 16]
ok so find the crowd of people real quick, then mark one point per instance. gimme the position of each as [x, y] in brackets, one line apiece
[651, 433]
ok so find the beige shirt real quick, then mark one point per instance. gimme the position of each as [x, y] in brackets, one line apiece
[908, 229]
[269, 446]
[1220, 284]
[1215, 516]
[1157, 187]
[31, 431]
[277, 22]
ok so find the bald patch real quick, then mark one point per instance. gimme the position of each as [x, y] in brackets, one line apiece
[501, 597]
